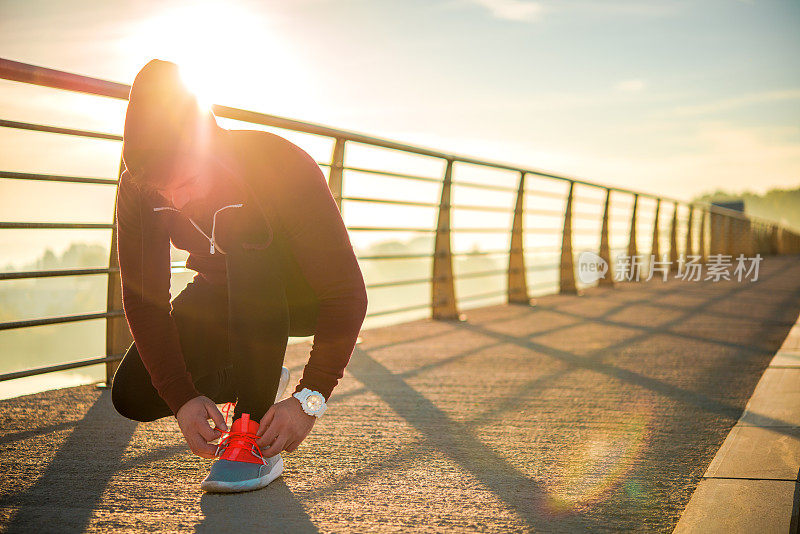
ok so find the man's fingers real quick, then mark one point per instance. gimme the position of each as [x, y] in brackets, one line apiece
[276, 447]
[216, 416]
[208, 433]
[270, 433]
[201, 448]
[266, 420]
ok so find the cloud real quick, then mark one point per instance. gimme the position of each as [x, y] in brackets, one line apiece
[631, 86]
[518, 10]
[737, 102]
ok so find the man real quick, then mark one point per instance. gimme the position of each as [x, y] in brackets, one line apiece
[273, 260]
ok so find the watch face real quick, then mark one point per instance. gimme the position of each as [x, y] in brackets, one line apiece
[314, 402]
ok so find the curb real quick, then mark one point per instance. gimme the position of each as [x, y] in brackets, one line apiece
[752, 485]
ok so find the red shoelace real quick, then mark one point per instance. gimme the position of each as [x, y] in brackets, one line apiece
[240, 440]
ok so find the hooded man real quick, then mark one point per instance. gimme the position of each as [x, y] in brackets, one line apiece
[273, 259]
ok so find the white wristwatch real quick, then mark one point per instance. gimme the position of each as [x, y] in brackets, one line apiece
[313, 402]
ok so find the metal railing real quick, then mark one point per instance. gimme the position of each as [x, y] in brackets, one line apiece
[698, 228]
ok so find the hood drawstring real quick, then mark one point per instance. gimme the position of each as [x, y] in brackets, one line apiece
[212, 238]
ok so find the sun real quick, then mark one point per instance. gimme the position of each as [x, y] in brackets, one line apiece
[226, 54]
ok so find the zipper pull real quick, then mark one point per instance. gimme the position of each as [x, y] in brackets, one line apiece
[212, 247]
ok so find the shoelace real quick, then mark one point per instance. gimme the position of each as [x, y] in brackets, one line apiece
[245, 438]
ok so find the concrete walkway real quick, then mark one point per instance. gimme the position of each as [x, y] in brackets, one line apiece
[593, 413]
[755, 472]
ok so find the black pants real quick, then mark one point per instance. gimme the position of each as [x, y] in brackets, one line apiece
[233, 337]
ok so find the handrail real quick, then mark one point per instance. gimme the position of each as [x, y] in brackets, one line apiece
[27, 73]
[720, 230]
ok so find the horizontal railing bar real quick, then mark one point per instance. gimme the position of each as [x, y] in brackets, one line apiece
[395, 256]
[480, 253]
[542, 230]
[387, 229]
[55, 178]
[54, 226]
[543, 267]
[577, 200]
[479, 274]
[12, 325]
[478, 296]
[390, 201]
[479, 230]
[587, 216]
[472, 207]
[59, 367]
[390, 173]
[549, 194]
[549, 213]
[59, 130]
[485, 186]
[543, 284]
[57, 79]
[399, 310]
[22, 275]
[400, 283]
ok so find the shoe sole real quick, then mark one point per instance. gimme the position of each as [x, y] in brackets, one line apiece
[244, 485]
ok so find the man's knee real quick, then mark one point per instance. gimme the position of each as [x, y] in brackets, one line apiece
[125, 402]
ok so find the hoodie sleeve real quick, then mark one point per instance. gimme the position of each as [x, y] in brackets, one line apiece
[309, 218]
[144, 262]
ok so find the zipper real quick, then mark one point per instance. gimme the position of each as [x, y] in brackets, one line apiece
[212, 238]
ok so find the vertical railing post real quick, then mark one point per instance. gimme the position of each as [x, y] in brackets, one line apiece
[605, 247]
[567, 271]
[443, 291]
[734, 236]
[749, 237]
[714, 231]
[689, 234]
[701, 245]
[118, 335]
[336, 174]
[759, 239]
[517, 291]
[727, 242]
[673, 240]
[632, 249]
[655, 249]
[773, 239]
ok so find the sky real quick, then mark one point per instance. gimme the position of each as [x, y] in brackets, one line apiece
[672, 97]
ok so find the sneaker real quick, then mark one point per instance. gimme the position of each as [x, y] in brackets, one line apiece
[241, 465]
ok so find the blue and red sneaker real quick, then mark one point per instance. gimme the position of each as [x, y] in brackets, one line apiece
[241, 465]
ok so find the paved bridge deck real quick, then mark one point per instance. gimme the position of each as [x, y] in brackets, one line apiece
[598, 412]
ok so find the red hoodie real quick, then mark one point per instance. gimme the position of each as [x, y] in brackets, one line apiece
[284, 194]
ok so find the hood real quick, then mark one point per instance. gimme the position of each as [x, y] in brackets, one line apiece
[162, 120]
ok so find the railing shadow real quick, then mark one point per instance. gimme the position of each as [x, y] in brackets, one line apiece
[458, 442]
[71, 487]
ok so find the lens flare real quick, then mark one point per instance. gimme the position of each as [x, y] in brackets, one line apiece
[598, 464]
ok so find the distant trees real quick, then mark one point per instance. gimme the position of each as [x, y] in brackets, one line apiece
[782, 205]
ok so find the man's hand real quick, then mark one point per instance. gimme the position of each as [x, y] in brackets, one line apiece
[193, 419]
[283, 427]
